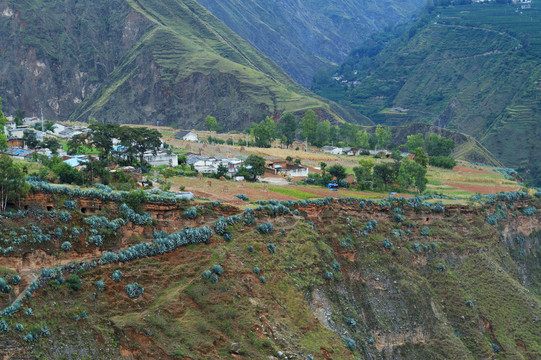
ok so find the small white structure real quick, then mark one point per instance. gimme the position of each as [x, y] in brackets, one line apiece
[186, 135]
[161, 158]
[210, 165]
[290, 169]
[58, 128]
[332, 150]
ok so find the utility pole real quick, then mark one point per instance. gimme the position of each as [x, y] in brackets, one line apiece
[41, 110]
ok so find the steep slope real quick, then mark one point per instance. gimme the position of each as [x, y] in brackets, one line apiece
[335, 279]
[302, 36]
[472, 68]
[139, 61]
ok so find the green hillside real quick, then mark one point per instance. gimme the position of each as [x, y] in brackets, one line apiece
[471, 68]
[302, 36]
[139, 61]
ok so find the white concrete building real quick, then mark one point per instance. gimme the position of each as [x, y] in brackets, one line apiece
[161, 158]
[187, 136]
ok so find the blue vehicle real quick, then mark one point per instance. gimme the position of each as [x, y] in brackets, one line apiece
[332, 186]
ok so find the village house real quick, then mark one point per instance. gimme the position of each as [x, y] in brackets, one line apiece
[210, 165]
[332, 150]
[161, 158]
[186, 136]
[288, 168]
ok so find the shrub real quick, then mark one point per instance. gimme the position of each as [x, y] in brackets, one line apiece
[4, 287]
[217, 269]
[18, 327]
[262, 279]
[4, 328]
[530, 211]
[66, 246]
[265, 228]
[445, 162]
[328, 275]
[242, 197]
[350, 344]
[425, 231]
[74, 282]
[220, 225]
[31, 337]
[228, 237]
[251, 249]
[272, 248]
[256, 270]
[351, 322]
[469, 303]
[99, 285]
[214, 278]
[387, 244]
[190, 213]
[70, 205]
[441, 267]
[83, 315]
[15, 280]
[116, 276]
[29, 312]
[134, 290]
[64, 216]
[44, 331]
[206, 274]
[495, 347]
[336, 266]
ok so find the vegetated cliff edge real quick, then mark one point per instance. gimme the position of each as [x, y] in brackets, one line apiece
[336, 279]
[140, 61]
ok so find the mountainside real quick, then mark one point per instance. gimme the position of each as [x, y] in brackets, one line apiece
[139, 61]
[331, 278]
[302, 36]
[472, 68]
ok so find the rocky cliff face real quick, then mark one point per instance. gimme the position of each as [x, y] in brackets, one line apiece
[138, 62]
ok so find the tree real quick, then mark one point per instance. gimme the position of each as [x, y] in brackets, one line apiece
[77, 143]
[334, 135]
[420, 157]
[30, 139]
[102, 136]
[140, 140]
[264, 132]
[323, 166]
[13, 184]
[253, 166]
[221, 171]
[383, 135]
[3, 137]
[414, 141]
[385, 173]
[412, 173]
[51, 144]
[362, 139]
[323, 130]
[348, 132]
[67, 174]
[211, 123]
[338, 171]
[437, 145]
[363, 172]
[288, 128]
[309, 126]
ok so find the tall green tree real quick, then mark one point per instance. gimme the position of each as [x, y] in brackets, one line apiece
[412, 174]
[415, 141]
[323, 131]
[338, 171]
[288, 128]
[383, 135]
[309, 126]
[77, 143]
[334, 136]
[102, 136]
[420, 157]
[252, 167]
[13, 184]
[139, 140]
[52, 144]
[30, 139]
[385, 174]
[437, 145]
[264, 132]
[211, 123]
[363, 173]
[362, 139]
